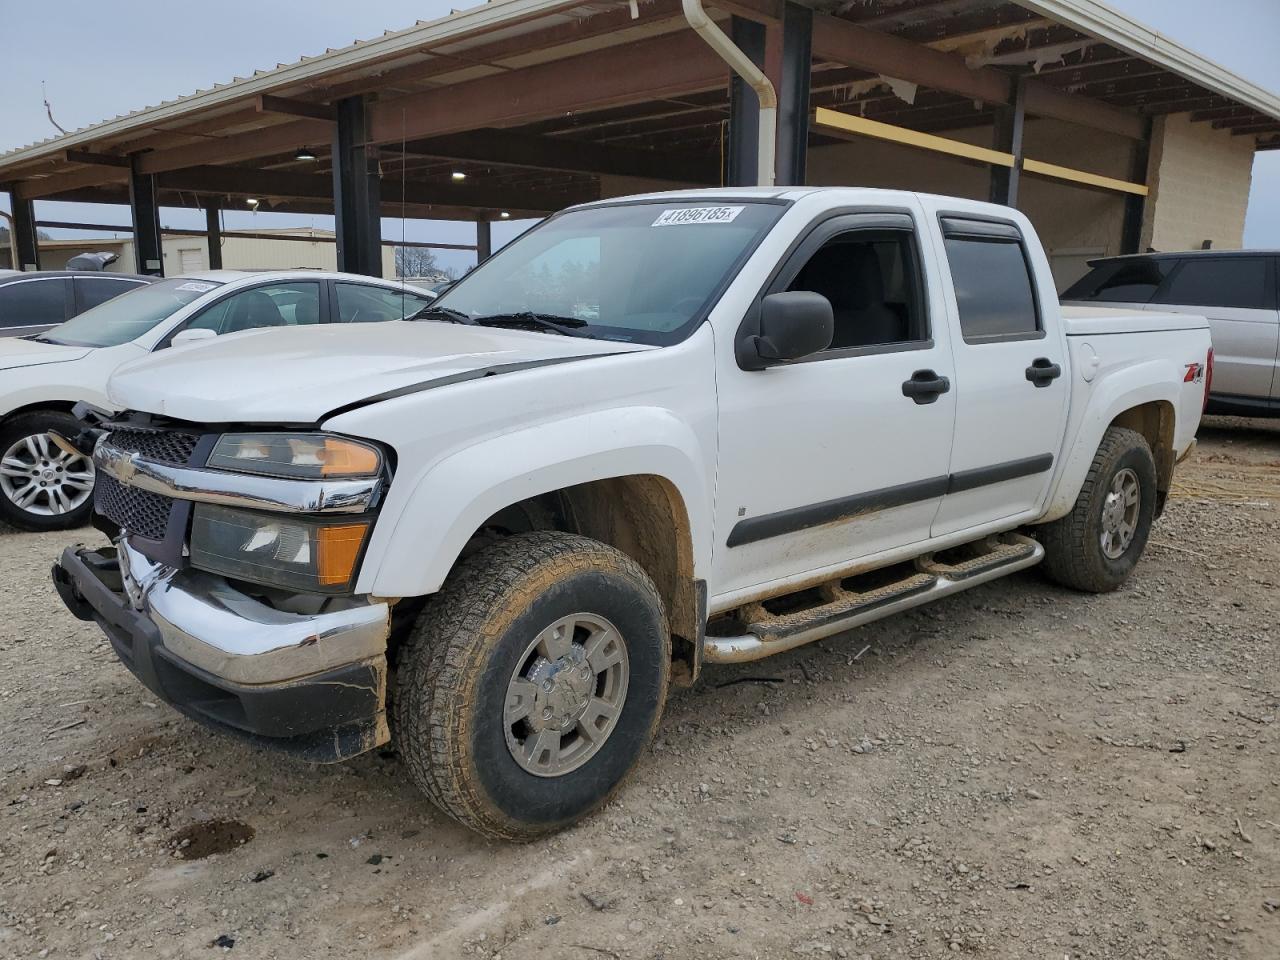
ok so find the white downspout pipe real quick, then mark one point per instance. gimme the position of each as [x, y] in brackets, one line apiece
[13, 241]
[742, 65]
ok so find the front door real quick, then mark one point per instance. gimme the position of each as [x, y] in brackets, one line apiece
[1011, 401]
[842, 455]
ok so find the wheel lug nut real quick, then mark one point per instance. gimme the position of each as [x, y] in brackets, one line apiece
[547, 685]
[546, 713]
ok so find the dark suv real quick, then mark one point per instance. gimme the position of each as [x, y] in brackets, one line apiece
[33, 302]
[1238, 290]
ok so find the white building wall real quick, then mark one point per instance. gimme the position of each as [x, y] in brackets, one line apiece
[1200, 180]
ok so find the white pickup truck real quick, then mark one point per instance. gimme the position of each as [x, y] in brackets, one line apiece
[652, 433]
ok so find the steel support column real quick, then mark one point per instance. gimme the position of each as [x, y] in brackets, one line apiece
[148, 252]
[1135, 206]
[356, 192]
[793, 97]
[484, 241]
[25, 245]
[213, 234]
[742, 149]
[1009, 123]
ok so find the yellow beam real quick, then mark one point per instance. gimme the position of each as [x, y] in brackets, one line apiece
[1080, 176]
[834, 120]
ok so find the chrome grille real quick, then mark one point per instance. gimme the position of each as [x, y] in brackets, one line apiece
[164, 446]
[138, 511]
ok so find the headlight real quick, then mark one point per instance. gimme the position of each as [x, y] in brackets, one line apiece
[316, 556]
[302, 456]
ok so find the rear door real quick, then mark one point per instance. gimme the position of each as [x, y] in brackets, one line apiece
[1011, 394]
[1238, 295]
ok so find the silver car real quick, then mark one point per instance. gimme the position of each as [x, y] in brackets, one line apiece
[1238, 290]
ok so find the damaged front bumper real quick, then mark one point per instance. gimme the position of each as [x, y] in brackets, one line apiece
[311, 686]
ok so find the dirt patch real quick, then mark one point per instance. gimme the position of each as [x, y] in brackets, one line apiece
[200, 840]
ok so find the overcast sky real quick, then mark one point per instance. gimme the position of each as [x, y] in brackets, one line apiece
[115, 57]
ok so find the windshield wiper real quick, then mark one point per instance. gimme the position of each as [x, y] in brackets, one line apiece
[39, 338]
[569, 326]
[446, 314]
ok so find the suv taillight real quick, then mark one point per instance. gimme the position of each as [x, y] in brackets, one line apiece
[1208, 378]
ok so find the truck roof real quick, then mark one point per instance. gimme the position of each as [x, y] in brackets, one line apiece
[869, 194]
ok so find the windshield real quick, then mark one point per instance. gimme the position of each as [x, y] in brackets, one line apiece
[642, 272]
[129, 315]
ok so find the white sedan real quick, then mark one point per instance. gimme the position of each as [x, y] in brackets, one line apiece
[43, 377]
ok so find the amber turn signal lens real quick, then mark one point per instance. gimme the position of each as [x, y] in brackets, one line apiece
[337, 549]
[342, 458]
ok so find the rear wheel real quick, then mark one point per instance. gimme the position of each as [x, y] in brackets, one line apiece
[1096, 546]
[41, 486]
[532, 683]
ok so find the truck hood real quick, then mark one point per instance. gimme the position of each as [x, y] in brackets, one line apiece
[18, 352]
[300, 374]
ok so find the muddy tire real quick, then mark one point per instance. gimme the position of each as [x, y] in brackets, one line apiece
[42, 488]
[1094, 548]
[532, 683]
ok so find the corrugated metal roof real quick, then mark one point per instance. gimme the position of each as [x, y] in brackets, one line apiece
[372, 54]
[1110, 25]
[1079, 46]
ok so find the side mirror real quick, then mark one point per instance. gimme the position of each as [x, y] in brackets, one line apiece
[793, 324]
[184, 338]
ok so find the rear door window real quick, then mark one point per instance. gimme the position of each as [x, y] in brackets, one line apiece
[91, 291]
[992, 280]
[358, 303]
[1235, 282]
[33, 303]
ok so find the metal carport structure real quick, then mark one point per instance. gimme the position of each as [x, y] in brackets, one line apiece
[545, 103]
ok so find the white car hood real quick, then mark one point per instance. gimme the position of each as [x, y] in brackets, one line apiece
[17, 352]
[300, 374]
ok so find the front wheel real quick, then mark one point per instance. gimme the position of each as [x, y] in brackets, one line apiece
[532, 683]
[41, 486]
[1096, 546]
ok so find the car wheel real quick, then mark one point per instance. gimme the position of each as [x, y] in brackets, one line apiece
[532, 683]
[42, 487]
[1095, 547]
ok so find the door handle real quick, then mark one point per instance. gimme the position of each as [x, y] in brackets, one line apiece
[1043, 372]
[925, 386]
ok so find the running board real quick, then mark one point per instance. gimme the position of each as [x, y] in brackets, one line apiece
[845, 610]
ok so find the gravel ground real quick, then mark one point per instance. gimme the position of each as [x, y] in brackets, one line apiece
[1015, 772]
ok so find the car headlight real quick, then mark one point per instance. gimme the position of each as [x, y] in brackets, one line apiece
[301, 456]
[295, 553]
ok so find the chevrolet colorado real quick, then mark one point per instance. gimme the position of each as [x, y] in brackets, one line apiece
[652, 433]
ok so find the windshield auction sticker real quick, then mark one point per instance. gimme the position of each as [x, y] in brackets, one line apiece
[687, 215]
[195, 286]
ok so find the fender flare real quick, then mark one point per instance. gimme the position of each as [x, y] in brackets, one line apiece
[1119, 389]
[419, 538]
